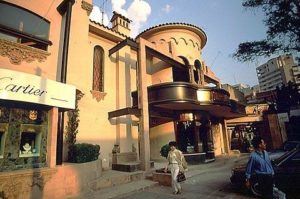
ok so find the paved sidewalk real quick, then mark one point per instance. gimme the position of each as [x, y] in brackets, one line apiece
[124, 190]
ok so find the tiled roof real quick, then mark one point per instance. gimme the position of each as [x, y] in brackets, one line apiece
[116, 14]
[173, 24]
[110, 29]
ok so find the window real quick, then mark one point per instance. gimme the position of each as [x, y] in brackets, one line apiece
[295, 160]
[98, 69]
[197, 71]
[30, 143]
[23, 26]
[3, 132]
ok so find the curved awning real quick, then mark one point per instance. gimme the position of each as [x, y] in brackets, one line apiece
[182, 96]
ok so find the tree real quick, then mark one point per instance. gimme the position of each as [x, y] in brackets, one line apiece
[72, 127]
[287, 97]
[283, 30]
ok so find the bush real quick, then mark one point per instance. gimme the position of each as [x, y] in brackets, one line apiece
[84, 152]
[165, 150]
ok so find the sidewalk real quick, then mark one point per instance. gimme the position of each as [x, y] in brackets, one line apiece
[144, 184]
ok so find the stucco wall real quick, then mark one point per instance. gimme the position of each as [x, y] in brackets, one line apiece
[119, 82]
[180, 42]
[68, 180]
[159, 136]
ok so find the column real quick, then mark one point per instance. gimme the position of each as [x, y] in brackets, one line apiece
[144, 139]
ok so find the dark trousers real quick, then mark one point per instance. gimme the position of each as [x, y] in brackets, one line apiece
[265, 183]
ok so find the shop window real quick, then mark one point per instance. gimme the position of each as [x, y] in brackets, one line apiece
[98, 69]
[23, 26]
[3, 132]
[30, 142]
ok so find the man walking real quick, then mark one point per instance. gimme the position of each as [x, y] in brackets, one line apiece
[259, 166]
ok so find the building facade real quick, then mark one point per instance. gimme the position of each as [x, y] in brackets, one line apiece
[136, 95]
[152, 89]
[277, 72]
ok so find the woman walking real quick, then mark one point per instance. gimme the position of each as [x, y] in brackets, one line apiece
[176, 163]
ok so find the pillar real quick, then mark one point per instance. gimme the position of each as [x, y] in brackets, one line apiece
[144, 139]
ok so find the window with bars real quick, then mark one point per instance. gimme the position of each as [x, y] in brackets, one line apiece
[98, 69]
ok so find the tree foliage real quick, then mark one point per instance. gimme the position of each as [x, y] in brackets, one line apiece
[72, 129]
[287, 97]
[282, 19]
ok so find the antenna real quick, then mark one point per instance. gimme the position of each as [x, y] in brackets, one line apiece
[218, 53]
[102, 7]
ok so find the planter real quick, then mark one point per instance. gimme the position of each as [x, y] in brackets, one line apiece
[162, 178]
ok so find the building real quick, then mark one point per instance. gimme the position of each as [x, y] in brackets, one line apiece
[296, 75]
[32, 94]
[133, 95]
[235, 93]
[277, 72]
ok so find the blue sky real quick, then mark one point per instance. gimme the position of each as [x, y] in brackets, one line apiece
[225, 22]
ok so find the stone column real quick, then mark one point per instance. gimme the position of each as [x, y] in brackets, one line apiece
[144, 139]
[225, 137]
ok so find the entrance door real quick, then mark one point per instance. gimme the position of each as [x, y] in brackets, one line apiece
[186, 136]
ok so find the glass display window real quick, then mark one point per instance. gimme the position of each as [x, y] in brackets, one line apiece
[3, 132]
[30, 140]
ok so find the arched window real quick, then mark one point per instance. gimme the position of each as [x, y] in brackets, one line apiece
[181, 75]
[98, 69]
[197, 71]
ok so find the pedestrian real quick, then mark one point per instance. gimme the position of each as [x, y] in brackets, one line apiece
[259, 168]
[176, 163]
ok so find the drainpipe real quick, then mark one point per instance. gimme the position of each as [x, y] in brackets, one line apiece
[65, 8]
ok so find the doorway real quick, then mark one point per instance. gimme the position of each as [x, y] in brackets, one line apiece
[186, 136]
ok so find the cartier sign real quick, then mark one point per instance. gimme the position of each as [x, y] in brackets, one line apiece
[25, 87]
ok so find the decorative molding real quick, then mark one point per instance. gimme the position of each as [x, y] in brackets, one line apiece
[79, 94]
[98, 95]
[18, 52]
[87, 6]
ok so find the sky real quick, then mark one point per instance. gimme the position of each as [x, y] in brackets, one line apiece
[226, 23]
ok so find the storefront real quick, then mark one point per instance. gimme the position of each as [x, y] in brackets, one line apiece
[27, 109]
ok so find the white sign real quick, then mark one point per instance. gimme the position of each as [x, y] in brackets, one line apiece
[25, 87]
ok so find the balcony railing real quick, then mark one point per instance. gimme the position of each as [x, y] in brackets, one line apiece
[184, 92]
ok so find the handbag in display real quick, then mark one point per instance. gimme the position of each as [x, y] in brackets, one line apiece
[181, 177]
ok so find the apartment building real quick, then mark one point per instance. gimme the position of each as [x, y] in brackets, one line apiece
[276, 72]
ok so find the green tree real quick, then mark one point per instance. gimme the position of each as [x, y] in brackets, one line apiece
[287, 97]
[282, 19]
[72, 127]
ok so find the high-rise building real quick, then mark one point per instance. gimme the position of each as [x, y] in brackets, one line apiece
[277, 72]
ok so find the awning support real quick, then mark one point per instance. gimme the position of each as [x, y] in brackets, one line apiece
[125, 42]
[124, 111]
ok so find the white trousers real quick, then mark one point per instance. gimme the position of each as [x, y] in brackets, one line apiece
[174, 172]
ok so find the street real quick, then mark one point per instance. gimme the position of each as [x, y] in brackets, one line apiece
[206, 181]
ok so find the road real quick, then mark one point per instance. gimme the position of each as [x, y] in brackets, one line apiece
[209, 181]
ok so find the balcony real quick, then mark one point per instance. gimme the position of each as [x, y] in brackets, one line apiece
[182, 96]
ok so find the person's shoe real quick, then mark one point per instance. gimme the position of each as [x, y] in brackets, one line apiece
[175, 192]
[179, 191]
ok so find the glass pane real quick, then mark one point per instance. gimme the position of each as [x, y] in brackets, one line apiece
[8, 37]
[24, 21]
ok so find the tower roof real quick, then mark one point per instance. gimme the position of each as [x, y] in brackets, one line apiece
[115, 15]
